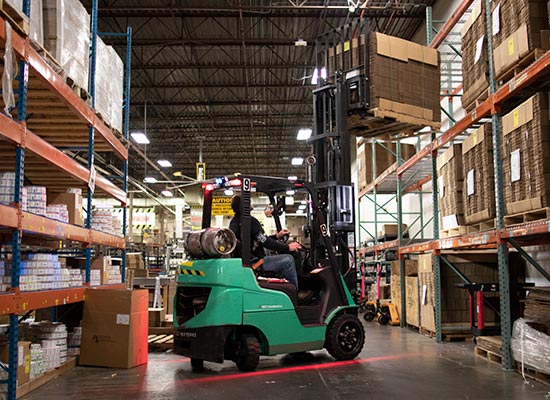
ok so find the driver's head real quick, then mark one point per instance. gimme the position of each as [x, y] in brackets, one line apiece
[236, 204]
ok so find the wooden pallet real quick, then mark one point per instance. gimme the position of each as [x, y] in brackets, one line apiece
[458, 231]
[47, 56]
[48, 376]
[519, 67]
[484, 95]
[487, 354]
[481, 226]
[16, 18]
[527, 216]
[447, 336]
[387, 124]
[532, 373]
[80, 92]
[160, 342]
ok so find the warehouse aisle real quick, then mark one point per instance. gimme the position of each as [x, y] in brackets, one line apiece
[396, 364]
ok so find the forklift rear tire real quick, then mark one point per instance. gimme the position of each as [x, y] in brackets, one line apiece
[384, 319]
[197, 364]
[247, 352]
[369, 316]
[345, 337]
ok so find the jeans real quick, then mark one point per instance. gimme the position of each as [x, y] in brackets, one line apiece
[282, 264]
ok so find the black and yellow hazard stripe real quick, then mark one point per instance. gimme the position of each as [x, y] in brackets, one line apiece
[193, 272]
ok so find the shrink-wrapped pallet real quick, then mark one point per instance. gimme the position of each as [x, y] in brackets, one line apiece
[36, 32]
[109, 85]
[67, 38]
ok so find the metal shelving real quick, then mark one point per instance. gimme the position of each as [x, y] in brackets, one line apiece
[502, 238]
[38, 154]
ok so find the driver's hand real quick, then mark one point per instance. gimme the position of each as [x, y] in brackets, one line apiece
[294, 246]
[282, 233]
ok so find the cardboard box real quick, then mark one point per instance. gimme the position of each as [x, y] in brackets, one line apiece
[449, 178]
[23, 360]
[134, 260]
[102, 264]
[412, 300]
[114, 328]
[157, 316]
[73, 202]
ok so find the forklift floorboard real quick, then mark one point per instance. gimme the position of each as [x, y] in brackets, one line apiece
[395, 363]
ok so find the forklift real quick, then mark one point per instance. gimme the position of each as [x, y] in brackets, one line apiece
[224, 311]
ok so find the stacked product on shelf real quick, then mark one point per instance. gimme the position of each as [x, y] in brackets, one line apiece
[386, 155]
[475, 64]
[109, 85]
[403, 78]
[526, 164]
[67, 38]
[58, 212]
[75, 278]
[479, 187]
[519, 27]
[7, 187]
[38, 365]
[38, 272]
[72, 199]
[36, 31]
[449, 183]
[102, 220]
[36, 199]
[53, 339]
[411, 274]
[73, 341]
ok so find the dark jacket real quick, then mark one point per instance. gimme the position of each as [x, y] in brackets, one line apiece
[260, 241]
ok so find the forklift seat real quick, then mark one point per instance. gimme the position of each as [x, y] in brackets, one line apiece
[282, 286]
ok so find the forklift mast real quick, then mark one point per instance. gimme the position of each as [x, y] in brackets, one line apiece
[330, 161]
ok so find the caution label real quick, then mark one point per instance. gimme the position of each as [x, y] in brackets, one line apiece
[221, 206]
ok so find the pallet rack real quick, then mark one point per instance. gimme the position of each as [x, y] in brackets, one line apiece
[38, 154]
[501, 238]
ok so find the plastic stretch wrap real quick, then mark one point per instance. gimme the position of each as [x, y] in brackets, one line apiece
[67, 37]
[109, 84]
[531, 347]
[36, 21]
[10, 72]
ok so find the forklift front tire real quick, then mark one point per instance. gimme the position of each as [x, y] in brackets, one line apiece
[345, 337]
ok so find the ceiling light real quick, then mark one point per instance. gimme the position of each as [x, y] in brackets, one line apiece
[297, 161]
[178, 173]
[292, 178]
[150, 179]
[166, 193]
[300, 43]
[164, 163]
[302, 207]
[289, 201]
[229, 192]
[290, 192]
[323, 73]
[304, 134]
[300, 211]
[140, 137]
[303, 202]
[315, 77]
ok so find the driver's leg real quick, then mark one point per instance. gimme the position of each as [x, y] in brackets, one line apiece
[282, 264]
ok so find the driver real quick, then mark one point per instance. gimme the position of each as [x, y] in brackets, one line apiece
[282, 264]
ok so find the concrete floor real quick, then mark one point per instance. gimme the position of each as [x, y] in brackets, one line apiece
[395, 364]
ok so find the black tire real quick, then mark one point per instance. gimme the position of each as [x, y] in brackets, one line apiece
[384, 319]
[247, 352]
[197, 364]
[345, 337]
[369, 316]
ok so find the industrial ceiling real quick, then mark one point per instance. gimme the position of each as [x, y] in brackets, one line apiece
[229, 77]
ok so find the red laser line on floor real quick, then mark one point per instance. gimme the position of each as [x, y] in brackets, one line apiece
[292, 369]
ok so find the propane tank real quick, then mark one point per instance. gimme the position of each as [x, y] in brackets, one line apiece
[210, 243]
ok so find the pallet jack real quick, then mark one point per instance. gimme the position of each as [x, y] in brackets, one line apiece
[384, 313]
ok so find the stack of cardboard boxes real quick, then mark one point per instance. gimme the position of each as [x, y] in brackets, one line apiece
[479, 187]
[411, 280]
[449, 184]
[525, 149]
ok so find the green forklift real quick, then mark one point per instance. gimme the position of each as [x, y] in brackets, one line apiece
[224, 309]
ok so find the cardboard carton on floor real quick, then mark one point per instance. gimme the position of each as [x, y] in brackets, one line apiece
[23, 360]
[114, 328]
